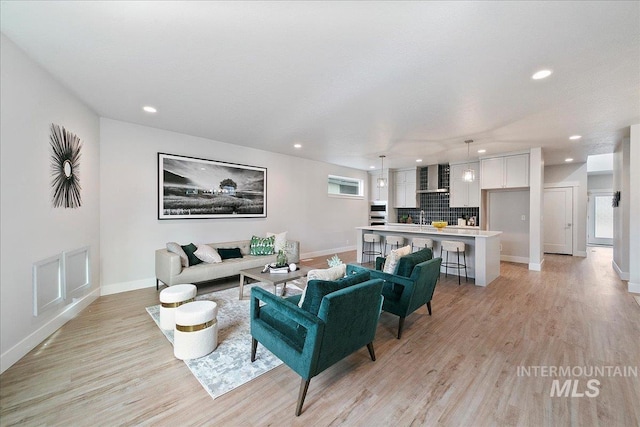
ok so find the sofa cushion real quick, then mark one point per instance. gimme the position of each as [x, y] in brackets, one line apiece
[177, 249]
[407, 262]
[229, 253]
[190, 250]
[394, 256]
[317, 289]
[207, 254]
[261, 245]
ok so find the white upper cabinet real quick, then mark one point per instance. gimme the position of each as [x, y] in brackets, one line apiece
[505, 172]
[404, 185]
[464, 194]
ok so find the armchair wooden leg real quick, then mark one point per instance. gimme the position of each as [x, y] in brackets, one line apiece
[304, 386]
[372, 353]
[429, 307]
[400, 326]
[254, 347]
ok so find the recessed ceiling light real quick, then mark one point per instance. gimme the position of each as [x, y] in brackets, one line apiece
[574, 137]
[541, 74]
[419, 160]
[482, 151]
[149, 109]
[568, 160]
[372, 167]
[297, 145]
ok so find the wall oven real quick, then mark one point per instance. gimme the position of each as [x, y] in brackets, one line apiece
[378, 213]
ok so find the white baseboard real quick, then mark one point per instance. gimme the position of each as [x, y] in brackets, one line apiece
[329, 252]
[580, 253]
[518, 259]
[534, 266]
[18, 351]
[116, 288]
[624, 275]
[634, 287]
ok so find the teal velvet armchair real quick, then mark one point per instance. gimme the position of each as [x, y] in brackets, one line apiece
[309, 343]
[411, 286]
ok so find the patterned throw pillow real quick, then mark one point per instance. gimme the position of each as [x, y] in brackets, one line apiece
[261, 245]
[391, 262]
[175, 248]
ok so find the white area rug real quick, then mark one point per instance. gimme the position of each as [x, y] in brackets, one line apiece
[229, 366]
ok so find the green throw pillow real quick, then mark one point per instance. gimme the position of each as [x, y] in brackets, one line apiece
[189, 250]
[228, 253]
[262, 245]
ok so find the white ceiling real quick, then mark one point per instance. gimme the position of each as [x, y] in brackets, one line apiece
[351, 80]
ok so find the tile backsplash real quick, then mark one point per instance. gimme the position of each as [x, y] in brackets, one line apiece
[436, 205]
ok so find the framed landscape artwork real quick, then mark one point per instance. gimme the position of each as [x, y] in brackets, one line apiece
[192, 188]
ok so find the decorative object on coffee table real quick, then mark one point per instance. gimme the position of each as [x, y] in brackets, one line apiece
[271, 278]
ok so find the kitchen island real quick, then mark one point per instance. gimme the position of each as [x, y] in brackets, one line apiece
[482, 252]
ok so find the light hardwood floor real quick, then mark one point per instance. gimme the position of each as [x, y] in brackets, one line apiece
[112, 366]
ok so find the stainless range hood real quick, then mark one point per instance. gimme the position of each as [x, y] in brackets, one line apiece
[433, 183]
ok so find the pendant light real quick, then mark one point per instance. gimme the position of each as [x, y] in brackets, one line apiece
[468, 175]
[382, 181]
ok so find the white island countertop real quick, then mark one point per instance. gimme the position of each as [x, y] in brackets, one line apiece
[427, 229]
[482, 247]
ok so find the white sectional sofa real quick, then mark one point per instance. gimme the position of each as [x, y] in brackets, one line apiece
[169, 269]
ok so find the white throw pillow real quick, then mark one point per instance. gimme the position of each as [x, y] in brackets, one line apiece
[280, 243]
[391, 262]
[177, 249]
[207, 254]
[333, 273]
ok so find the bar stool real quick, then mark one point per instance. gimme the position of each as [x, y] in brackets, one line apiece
[457, 247]
[394, 241]
[369, 241]
[421, 243]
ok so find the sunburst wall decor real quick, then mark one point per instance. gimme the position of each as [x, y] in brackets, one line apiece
[65, 164]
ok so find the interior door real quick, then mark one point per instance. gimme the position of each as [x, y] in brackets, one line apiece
[558, 220]
[600, 218]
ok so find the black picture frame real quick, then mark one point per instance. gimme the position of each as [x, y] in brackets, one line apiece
[195, 188]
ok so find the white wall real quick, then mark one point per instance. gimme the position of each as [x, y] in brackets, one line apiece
[536, 208]
[573, 175]
[31, 229]
[297, 202]
[600, 181]
[515, 232]
[621, 213]
[634, 209]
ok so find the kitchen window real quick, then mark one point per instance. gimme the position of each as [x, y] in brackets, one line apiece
[341, 186]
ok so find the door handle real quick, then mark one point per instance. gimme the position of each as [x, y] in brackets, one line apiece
[568, 224]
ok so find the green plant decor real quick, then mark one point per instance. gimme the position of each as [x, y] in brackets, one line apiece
[281, 259]
[334, 261]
